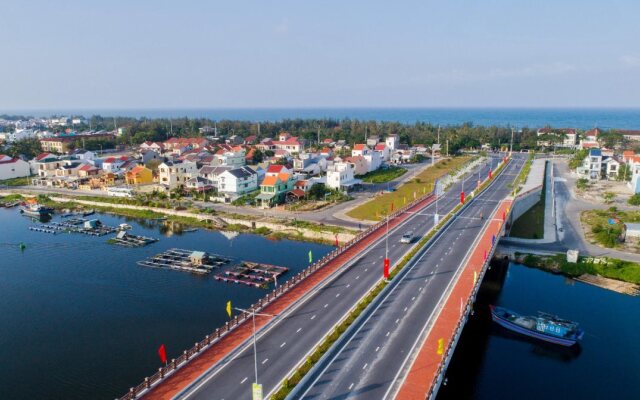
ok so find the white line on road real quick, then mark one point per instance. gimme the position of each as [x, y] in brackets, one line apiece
[349, 285]
[299, 329]
[357, 277]
[365, 366]
[377, 348]
[244, 380]
[413, 298]
[265, 360]
[398, 320]
[405, 309]
[350, 386]
[338, 295]
[283, 344]
[387, 335]
[313, 317]
[326, 305]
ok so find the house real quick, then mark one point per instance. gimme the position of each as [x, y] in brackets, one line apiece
[610, 168]
[288, 143]
[359, 164]
[149, 155]
[58, 145]
[274, 188]
[340, 177]
[212, 173]
[591, 165]
[372, 141]
[592, 135]
[229, 158]
[564, 137]
[383, 150]
[45, 165]
[360, 149]
[180, 144]
[12, 167]
[113, 164]
[87, 170]
[139, 175]
[276, 169]
[200, 184]
[633, 135]
[83, 155]
[238, 181]
[173, 174]
[374, 160]
[154, 146]
[392, 142]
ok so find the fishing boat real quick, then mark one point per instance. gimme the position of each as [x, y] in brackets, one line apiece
[35, 209]
[124, 227]
[547, 327]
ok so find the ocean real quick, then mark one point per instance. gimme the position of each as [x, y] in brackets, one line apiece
[582, 118]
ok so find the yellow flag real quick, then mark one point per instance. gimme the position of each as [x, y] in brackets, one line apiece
[229, 308]
[475, 277]
[441, 346]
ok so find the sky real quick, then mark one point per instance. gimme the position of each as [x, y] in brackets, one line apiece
[137, 54]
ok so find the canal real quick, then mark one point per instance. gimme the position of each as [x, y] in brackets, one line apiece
[79, 319]
[491, 363]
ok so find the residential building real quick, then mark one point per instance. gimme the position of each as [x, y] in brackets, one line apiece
[11, 167]
[274, 188]
[200, 184]
[340, 177]
[56, 144]
[566, 137]
[139, 175]
[173, 174]
[392, 142]
[212, 173]
[633, 135]
[383, 150]
[360, 149]
[277, 169]
[83, 155]
[87, 170]
[374, 160]
[230, 158]
[591, 165]
[113, 164]
[288, 143]
[45, 165]
[359, 164]
[372, 141]
[238, 181]
[610, 168]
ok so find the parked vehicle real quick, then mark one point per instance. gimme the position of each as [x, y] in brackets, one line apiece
[407, 237]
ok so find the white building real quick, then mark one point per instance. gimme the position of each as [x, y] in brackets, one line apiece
[238, 181]
[13, 167]
[212, 173]
[230, 159]
[19, 134]
[591, 165]
[84, 155]
[392, 142]
[374, 160]
[340, 176]
[176, 174]
[360, 149]
[383, 149]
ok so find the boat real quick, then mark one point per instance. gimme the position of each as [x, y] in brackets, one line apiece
[88, 212]
[124, 227]
[35, 209]
[547, 327]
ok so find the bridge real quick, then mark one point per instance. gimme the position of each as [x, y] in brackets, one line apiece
[375, 356]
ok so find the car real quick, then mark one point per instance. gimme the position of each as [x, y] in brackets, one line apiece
[407, 237]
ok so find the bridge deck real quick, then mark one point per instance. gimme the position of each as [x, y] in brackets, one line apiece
[426, 367]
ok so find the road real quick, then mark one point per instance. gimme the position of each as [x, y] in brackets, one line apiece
[288, 338]
[370, 362]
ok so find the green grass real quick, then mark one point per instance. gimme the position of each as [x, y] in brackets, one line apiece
[530, 225]
[24, 181]
[377, 208]
[599, 229]
[612, 268]
[383, 175]
[11, 197]
[524, 173]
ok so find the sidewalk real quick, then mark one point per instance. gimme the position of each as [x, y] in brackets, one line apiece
[432, 355]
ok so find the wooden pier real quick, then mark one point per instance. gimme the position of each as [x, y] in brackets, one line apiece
[197, 262]
[87, 227]
[252, 274]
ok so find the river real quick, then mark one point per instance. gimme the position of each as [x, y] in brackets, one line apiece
[491, 363]
[79, 319]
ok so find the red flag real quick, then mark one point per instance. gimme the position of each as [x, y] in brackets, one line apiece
[337, 243]
[490, 174]
[386, 268]
[462, 197]
[504, 215]
[162, 353]
[485, 254]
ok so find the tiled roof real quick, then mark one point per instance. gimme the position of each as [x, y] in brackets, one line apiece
[270, 180]
[359, 146]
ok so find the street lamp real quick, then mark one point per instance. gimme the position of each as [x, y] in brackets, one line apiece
[255, 352]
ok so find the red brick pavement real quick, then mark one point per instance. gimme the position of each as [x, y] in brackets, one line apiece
[424, 370]
[183, 377]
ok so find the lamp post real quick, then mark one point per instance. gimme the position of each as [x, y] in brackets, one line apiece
[255, 352]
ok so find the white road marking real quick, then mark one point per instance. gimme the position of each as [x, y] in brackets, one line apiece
[244, 380]
[299, 329]
[338, 295]
[326, 305]
[357, 277]
[387, 335]
[313, 317]
[365, 366]
[398, 320]
[350, 386]
[265, 360]
[283, 344]
[377, 348]
[413, 298]
[366, 269]
[349, 285]
[405, 309]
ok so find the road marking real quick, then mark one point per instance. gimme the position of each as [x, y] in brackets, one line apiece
[244, 380]
[265, 360]
[283, 344]
[350, 386]
[426, 279]
[398, 320]
[365, 366]
[349, 285]
[420, 289]
[387, 335]
[357, 277]
[299, 329]
[405, 309]
[413, 298]
[377, 348]
[326, 305]
[366, 269]
[381, 257]
[313, 317]
[338, 295]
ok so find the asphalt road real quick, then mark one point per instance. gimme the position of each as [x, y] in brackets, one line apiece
[369, 364]
[287, 339]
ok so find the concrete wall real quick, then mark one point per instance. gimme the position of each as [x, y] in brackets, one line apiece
[525, 201]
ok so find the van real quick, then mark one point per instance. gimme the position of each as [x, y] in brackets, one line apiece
[407, 237]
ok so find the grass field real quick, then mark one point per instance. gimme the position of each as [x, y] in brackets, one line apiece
[16, 181]
[598, 228]
[383, 175]
[377, 208]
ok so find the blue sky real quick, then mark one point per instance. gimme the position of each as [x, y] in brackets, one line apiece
[269, 53]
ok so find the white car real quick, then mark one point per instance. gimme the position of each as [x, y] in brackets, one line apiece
[407, 237]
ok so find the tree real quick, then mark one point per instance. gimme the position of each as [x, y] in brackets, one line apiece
[317, 191]
[634, 200]
[582, 183]
[624, 173]
[257, 157]
[608, 197]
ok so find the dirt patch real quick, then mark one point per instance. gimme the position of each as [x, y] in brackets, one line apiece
[596, 193]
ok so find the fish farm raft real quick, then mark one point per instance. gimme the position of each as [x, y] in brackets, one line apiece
[128, 240]
[252, 274]
[197, 262]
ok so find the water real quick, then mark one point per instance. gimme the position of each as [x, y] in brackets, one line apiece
[582, 118]
[492, 363]
[79, 319]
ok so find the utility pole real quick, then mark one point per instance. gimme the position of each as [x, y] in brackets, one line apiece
[511, 146]
[447, 147]
[255, 352]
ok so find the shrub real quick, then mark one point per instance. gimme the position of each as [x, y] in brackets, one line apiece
[634, 200]
[582, 183]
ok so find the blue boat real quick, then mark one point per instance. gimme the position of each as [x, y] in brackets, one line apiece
[545, 327]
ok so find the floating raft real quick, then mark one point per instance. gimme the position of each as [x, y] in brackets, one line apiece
[125, 239]
[251, 274]
[86, 227]
[197, 262]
